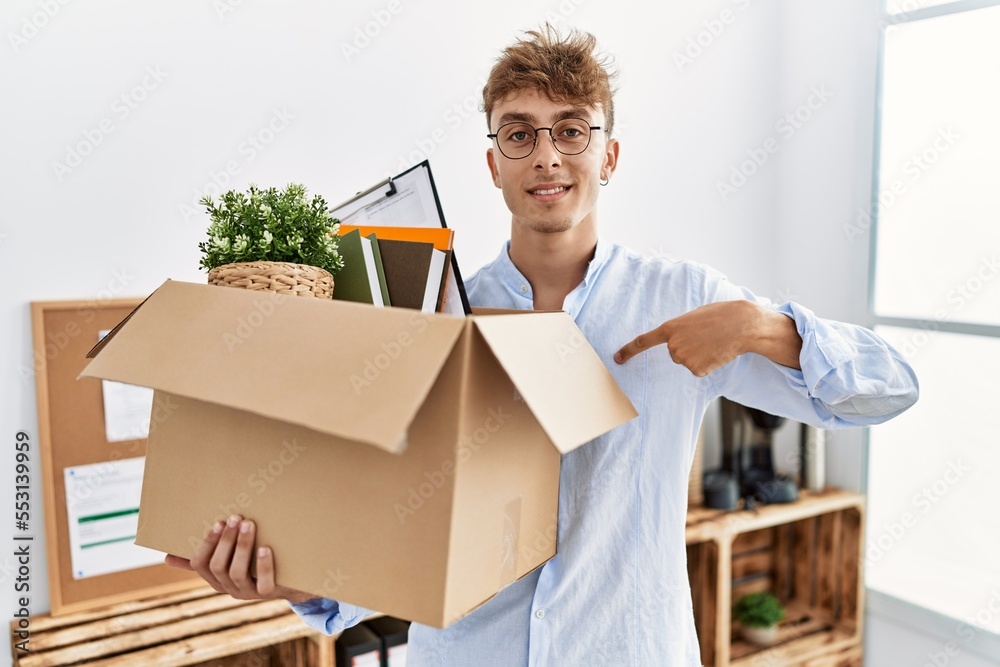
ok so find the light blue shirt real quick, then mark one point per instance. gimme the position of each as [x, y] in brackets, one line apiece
[617, 592]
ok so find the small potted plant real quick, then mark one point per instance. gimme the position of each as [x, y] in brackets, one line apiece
[277, 240]
[759, 614]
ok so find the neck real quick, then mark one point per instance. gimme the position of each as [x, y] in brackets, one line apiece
[554, 263]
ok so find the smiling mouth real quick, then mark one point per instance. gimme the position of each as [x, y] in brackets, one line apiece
[550, 191]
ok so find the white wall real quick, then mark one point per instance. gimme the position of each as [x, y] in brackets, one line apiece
[337, 120]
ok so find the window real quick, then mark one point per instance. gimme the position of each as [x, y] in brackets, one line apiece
[933, 527]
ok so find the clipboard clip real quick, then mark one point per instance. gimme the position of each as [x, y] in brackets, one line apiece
[390, 191]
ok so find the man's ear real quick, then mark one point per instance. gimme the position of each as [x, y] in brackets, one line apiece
[492, 162]
[610, 158]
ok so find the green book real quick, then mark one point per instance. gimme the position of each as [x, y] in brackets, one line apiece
[359, 280]
[379, 267]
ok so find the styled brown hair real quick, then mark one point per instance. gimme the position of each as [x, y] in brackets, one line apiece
[566, 69]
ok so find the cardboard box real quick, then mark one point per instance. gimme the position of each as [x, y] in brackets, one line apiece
[404, 462]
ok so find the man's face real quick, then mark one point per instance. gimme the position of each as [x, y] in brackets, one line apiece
[547, 191]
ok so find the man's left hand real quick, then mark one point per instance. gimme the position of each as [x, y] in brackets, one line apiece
[711, 336]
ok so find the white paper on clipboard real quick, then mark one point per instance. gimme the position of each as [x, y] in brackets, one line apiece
[407, 200]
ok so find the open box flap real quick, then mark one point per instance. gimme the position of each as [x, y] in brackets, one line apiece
[558, 374]
[340, 368]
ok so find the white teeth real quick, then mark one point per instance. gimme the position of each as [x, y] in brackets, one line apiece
[549, 192]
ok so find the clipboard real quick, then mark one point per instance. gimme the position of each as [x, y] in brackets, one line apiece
[359, 202]
[408, 199]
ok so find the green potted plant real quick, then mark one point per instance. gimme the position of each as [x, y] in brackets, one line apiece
[277, 240]
[759, 614]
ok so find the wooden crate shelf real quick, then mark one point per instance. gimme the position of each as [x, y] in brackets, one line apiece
[807, 553]
[195, 627]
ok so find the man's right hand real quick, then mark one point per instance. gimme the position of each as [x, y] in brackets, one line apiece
[223, 560]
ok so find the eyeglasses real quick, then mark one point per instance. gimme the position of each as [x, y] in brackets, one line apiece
[570, 136]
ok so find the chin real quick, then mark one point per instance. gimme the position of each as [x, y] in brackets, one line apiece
[550, 226]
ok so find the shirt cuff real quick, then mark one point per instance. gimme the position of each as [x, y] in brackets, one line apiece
[329, 616]
[824, 350]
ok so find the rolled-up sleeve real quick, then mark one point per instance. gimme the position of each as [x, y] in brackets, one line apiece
[329, 616]
[850, 376]
[854, 372]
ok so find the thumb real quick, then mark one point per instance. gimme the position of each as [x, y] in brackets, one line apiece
[265, 572]
[177, 561]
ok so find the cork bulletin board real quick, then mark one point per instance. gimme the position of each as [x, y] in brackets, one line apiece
[72, 434]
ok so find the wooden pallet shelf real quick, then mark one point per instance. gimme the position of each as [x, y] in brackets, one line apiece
[807, 553]
[195, 627]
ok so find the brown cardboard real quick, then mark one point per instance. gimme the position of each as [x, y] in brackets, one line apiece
[404, 462]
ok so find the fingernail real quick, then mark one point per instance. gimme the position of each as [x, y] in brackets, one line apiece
[245, 527]
[618, 357]
[217, 528]
[262, 552]
[233, 520]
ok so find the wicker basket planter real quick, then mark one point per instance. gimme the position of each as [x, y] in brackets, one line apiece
[281, 277]
[759, 636]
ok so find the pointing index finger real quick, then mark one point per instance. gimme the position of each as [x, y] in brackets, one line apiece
[640, 343]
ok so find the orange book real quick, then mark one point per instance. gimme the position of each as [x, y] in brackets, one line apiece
[441, 237]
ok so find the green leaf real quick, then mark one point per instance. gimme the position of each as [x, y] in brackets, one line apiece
[271, 225]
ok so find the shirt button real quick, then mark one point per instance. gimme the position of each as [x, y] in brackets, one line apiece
[540, 613]
[524, 289]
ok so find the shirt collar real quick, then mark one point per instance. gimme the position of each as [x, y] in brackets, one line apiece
[520, 288]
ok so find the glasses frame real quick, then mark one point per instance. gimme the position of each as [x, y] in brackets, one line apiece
[552, 138]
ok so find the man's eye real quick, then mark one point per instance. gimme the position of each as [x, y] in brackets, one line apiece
[572, 133]
[519, 136]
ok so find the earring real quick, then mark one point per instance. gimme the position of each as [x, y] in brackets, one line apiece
[607, 179]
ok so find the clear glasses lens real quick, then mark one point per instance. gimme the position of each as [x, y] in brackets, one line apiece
[517, 140]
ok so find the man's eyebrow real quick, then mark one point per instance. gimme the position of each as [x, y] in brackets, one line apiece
[516, 116]
[522, 117]
[576, 112]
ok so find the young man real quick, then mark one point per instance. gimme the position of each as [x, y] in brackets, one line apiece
[675, 335]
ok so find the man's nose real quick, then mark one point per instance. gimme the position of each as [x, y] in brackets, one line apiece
[545, 154]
